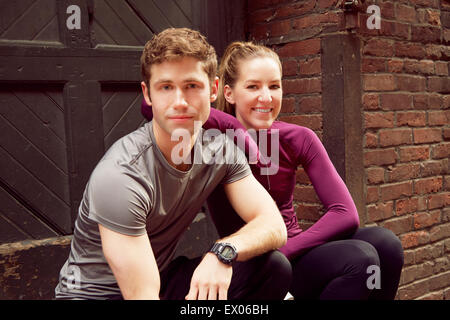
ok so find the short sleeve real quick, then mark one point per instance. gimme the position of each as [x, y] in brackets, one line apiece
[117, 201]
[237, 165]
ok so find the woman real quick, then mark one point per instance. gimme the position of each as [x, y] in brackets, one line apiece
[334, 258]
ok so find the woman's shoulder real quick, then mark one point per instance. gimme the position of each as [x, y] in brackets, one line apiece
[292, 131]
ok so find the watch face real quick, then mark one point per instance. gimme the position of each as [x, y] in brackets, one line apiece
[228, 253]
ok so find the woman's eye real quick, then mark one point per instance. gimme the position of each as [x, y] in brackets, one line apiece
[252, 86]
[275, 87]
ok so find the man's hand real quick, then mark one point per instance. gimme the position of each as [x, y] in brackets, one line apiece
[211, 279]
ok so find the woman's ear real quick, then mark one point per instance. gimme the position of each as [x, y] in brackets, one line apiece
[146, 93]
[228, 94]
[214, 90]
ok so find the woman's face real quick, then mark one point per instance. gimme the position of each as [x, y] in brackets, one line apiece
[257, 93]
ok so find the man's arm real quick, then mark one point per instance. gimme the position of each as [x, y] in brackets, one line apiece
[264, 231]
[133, 263]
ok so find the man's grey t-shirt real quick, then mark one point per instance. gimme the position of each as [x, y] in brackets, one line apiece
[134, 190]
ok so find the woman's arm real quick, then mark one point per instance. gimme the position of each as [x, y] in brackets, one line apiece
[341, 217]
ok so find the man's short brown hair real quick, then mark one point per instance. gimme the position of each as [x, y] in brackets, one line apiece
[176, 43]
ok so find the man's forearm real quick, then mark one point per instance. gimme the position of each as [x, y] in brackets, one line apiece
[260, 235]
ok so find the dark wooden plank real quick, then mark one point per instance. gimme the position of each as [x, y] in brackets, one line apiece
[50, 32]
[29, 24]
[126, 13]
[129, 121]
[113, 25]
[24, 219]
[84, 127]
[186, 7]
[11, 10]
[151, 15]
[32, 160]
[29, 125]
[49, 207]
[173, 13]
[9, 232]
[116, 107]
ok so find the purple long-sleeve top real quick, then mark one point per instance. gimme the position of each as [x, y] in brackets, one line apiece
[297, 146]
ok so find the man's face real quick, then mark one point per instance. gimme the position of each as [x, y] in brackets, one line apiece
[180, 93]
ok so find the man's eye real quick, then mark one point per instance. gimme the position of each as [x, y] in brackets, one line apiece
[192, 86]
[166, 87]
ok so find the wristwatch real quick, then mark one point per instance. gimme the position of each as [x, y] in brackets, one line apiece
[225, 252]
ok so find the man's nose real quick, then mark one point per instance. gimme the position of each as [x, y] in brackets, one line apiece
[180, 99]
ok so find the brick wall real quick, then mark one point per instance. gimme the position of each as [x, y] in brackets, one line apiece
[405, 106]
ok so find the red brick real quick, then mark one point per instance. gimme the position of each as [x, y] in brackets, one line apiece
[379, 119]
[431, 168]
[446, 133]
[395, 137]
[428, 185]
[406, 13]
[279, 28]
[403, 172]
[427, 135]
[326, 3]
[395, 66]
[440, 232]
[421, 101]
[441, 68]
[308, 212]
[396, 191]
[433, 17]
[414, 239]
[302, 177]
[379, 82]
[375, 175]
[411, 83]
[290, 67]
[407, 205]
[435, 101]
[439, 84]
[369, 65]
[380, 211]
[261, 16]
[433, 51]
[310, 66]
[396, 101]
[436, 201]
[380, 157]
[260, 31]
[310, 85]
[425, 34]
[305, 194]
[379, 47]
[410, 50]
[412, 119]
[314, 122]
[370, 101]
[441, 151]
[288, 105]
[439, 118]
[419, 67]
[315, 20]
[310, 104]
[372, 194]
[295, 9]
[300, 48]
[399, 225]
[371, 140]
[408, 154]
[426, 219]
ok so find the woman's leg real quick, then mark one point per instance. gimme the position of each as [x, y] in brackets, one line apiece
[336, 270]
[390, 251]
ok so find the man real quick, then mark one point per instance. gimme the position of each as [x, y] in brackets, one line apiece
[140, 198]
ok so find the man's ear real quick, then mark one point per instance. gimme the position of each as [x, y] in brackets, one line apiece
[228, 94]
[214, 90]
[146, 93]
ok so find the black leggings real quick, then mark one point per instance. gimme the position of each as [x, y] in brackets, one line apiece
[266, 277]
[338, 269]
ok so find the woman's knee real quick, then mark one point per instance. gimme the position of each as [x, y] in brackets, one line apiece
[277, 263]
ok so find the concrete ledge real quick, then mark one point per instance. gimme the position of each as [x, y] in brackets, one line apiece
[29, 269]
